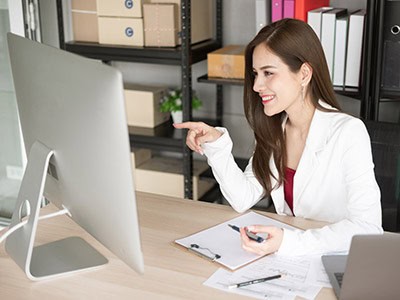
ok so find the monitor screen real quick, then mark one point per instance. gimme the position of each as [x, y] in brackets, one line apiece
[73, 121]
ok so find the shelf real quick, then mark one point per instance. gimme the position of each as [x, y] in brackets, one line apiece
[154, 55]
[389, 95]
[352, 92]
[162, 137]
[215, 80]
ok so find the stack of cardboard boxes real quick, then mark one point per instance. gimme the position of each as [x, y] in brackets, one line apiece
[153, 23]
[120, 22]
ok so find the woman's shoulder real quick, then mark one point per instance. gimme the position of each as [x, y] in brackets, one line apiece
[339, 119]
[341, 124]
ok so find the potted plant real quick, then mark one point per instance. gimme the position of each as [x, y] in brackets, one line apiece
[172, 102]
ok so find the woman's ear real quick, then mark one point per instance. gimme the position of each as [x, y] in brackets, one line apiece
[306, 73]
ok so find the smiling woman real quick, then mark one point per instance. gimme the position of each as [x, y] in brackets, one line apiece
[312, 159]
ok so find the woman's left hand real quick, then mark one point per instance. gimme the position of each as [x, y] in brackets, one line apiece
[270, 245]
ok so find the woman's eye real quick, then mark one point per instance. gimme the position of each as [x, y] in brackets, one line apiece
[266, 73]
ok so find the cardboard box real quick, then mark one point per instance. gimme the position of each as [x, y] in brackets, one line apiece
[121, 31]
[125, 8]
[227, 62]
[201, 18]
[138, 157]
[142, 105]
[87, 5]
[84, 21]
[163, 176]
[160, 24]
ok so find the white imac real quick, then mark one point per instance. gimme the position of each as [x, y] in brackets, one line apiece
[73, 121]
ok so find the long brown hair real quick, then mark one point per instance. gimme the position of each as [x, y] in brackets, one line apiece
[295, 43]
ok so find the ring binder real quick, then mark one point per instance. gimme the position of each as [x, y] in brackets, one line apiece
[196, 249]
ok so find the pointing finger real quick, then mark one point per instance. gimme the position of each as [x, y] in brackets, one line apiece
[186, 125]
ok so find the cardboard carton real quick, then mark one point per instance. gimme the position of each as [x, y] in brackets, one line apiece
[160, 24]
[142, 105]
[201, 18]
[227, 62]
[121, 31]
[126, 8]
[87, 5]
[138, 157]
[163, 176]
[84, 21]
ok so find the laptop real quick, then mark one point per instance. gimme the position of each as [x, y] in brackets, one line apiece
[371, 270]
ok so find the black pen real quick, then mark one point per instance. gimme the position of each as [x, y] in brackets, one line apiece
[238, 285]
[251, 235]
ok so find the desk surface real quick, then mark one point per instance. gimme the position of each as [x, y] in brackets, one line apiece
[170, 272]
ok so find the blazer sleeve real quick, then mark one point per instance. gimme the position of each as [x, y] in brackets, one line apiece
[363, 199]
[241, 189]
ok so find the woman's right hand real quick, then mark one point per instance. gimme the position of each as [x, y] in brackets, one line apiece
[198, 134]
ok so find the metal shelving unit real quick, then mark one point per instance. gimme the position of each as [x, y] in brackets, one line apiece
[163, 137]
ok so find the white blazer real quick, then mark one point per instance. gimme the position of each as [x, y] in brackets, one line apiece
[334, 182]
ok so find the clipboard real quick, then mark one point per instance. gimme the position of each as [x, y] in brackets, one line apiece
[221, 244]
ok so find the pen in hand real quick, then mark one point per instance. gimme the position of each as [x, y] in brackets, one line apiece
[250, 234]
[238, 285]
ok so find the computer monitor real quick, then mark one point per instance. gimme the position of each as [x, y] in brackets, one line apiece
[74, 126]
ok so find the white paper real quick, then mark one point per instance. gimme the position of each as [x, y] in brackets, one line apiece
[302, 276]
[224, 241]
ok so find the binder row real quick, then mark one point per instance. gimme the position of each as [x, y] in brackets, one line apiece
[341, 33]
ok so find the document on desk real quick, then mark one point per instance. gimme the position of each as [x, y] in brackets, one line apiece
[301, 276]
[222, 244]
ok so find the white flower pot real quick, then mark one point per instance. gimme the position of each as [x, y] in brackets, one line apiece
[177, 116]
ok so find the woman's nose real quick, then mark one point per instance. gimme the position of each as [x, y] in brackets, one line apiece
[258, 85]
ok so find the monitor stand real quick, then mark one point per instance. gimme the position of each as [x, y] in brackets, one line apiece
[57, 258]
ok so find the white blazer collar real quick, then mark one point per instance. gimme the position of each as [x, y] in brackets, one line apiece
[317, 139]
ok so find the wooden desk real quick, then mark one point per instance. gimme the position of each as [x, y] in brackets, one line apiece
[170, 272]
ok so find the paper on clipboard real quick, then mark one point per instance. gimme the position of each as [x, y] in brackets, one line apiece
[222, 244]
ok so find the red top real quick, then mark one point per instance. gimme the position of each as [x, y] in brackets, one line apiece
[288, 187]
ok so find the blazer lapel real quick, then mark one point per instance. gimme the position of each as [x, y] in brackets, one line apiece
[316, 141]
[304, 172]
[277, 193]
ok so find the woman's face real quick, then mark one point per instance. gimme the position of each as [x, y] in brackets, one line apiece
[279, 88]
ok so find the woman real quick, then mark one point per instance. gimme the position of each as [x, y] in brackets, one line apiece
[312, 159]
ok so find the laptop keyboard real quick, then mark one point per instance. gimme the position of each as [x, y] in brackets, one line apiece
[339, 278]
